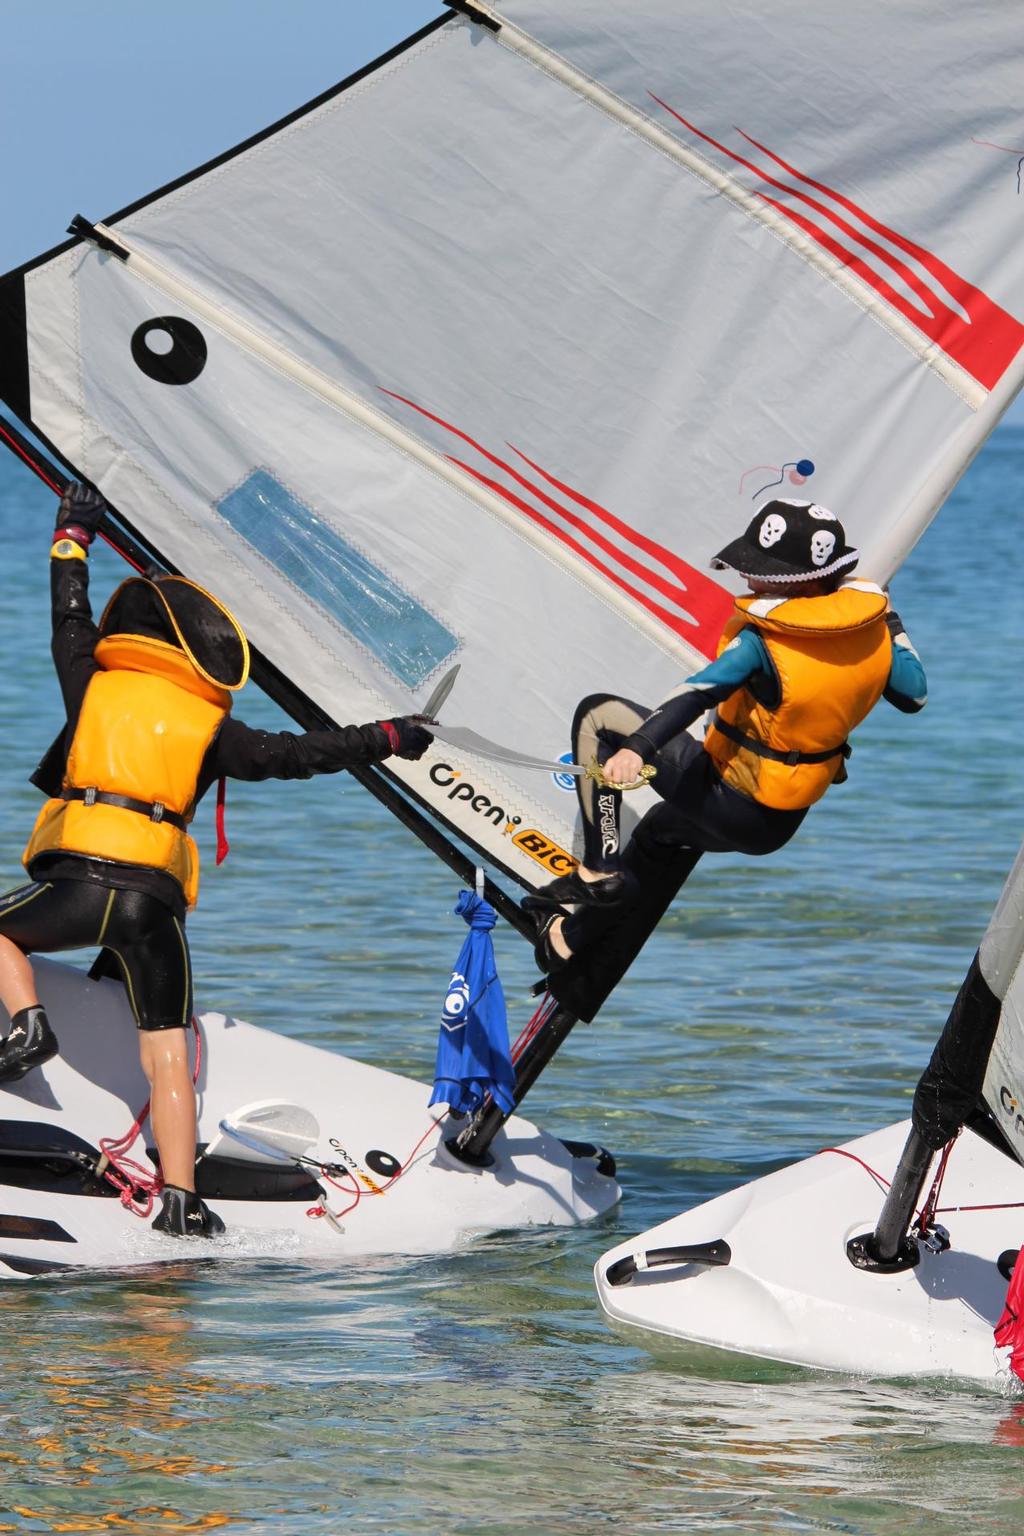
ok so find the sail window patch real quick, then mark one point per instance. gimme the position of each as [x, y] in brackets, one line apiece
[169, 350]
[368, 603]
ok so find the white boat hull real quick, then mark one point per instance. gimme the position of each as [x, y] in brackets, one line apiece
[790, 1293]
[95, 1087]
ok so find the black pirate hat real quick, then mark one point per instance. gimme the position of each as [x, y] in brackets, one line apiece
[789, 541]
[180, 613]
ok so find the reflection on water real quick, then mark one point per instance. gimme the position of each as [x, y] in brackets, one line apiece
[101, 1384]
[785, 1005]
[474, 1393]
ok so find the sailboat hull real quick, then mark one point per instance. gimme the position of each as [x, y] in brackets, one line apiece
[789, 1292]
[53, 1215]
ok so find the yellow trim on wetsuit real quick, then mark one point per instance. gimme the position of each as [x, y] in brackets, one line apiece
[106, 916]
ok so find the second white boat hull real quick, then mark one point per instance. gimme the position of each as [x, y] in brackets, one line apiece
[788, 1291]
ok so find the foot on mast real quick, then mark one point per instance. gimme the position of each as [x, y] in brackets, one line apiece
[572, 890]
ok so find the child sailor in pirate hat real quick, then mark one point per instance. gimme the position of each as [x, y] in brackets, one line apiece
[148, 694]
[807, 653]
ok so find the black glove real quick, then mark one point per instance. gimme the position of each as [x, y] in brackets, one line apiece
[407, 736]
[82, 509]
[894, 624]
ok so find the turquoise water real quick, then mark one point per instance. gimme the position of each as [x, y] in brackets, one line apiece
[785, 1005]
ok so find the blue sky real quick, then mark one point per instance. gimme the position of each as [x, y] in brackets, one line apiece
[104, 100]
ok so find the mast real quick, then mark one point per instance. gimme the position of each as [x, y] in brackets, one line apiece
[973, 1079]
[585, 985]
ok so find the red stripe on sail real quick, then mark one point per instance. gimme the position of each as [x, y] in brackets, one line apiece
[984, 343]
[687, 631]
[703, 605]
[709, 603]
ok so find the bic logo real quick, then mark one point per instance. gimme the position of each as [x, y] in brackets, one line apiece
[544, 851]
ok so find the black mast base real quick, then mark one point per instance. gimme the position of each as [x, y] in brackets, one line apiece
[863, 1253]
[482, 1159]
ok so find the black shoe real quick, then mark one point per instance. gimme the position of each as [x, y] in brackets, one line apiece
[30, 1042]
[185, 1215]
[544, 952]
[574, 891]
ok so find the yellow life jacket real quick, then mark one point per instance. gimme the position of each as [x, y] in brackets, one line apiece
[832, 656]
[146, 722]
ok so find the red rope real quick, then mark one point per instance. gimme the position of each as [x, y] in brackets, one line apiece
[841, 1152]
[123, 553]
[540, 1017]
[137, 1185]
[381, 1189]
[1007, 1205]
[38, 469]
[929, 1210]
[545, 1008]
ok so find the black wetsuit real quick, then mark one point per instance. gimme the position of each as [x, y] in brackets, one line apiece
[137, 913]
[699, 810]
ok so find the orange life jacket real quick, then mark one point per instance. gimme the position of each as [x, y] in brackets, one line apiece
[146, 722]
[832, 656]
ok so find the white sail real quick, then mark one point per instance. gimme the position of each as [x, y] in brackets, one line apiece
[480, 358]
[1001, 964]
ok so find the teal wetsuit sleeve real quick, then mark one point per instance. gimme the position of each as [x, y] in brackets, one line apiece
[744, 659]
[907, 688]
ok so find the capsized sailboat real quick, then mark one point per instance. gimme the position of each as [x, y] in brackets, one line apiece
[888, 1256]
[478, 357]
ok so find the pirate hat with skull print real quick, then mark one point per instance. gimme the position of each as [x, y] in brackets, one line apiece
[789, 541]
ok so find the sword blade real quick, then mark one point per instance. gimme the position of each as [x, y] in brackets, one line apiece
[432, 707]
[469, 741]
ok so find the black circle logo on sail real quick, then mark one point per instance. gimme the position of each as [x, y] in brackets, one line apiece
[169, 350]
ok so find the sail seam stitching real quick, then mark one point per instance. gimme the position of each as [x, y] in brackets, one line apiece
[322, 387]
[559, 70]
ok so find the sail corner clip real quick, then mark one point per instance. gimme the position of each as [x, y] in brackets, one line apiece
[81, 227]
[467, 8]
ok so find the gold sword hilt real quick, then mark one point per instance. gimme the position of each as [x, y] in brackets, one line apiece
[596, 772]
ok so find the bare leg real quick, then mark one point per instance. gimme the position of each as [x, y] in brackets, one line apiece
[164, 1054]
[17, 983]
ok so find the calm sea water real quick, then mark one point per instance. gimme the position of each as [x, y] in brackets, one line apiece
[784, 1005]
